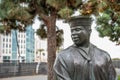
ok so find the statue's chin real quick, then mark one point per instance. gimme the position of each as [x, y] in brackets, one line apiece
[77, 45]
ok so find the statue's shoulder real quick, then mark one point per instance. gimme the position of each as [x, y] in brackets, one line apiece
[101, 52]
[66, 52]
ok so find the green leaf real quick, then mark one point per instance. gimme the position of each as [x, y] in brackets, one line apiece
[41, 32]
[59, 37]
[57, 4]
[65, 12]
[1, 29]
[78, 2]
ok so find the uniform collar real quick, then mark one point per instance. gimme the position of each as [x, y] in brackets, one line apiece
[87, 55]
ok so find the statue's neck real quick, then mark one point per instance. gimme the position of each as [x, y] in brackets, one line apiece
[85, 48]
[84, 45]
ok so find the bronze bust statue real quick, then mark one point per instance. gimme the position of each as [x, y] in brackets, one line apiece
[83, 60]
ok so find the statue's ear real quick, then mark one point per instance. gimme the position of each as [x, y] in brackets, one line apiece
[90, 30]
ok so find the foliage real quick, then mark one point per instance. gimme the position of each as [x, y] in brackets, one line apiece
[59, 37]
[1, 29]
[116, 59]
[119, 77]
[57, 4]
[14, 16]
[42, 33]
[108, 23]
[40, 50]
[66, 11]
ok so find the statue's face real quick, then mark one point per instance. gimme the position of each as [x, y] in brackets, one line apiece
[79, 35]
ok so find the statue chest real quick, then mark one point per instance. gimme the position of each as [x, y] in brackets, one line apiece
[94, 60]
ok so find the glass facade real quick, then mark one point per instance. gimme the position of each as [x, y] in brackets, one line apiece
[9, 47]
[14, 45]
[30, 44]
[26, 45]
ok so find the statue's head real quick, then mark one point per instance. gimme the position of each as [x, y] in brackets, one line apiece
[80, 29]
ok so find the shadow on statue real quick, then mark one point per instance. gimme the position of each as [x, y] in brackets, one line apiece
[83, 60]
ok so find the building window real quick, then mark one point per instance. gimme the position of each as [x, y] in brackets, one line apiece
[9, 51]
[3, 51]
[3, 39]
[6, 39]
[6, 45]
[4, 57]
[6, 51]
[9, 40]
[9, 45]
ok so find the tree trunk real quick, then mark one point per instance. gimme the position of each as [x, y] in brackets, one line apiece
[51, 38]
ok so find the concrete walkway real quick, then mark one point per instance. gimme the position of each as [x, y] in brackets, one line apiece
[118, 71]
[34, 77]
[38, 77]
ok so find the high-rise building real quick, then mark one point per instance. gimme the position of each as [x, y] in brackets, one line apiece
[17, 46]
[30, 44]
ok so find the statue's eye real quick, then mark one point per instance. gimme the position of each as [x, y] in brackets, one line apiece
[78, 29]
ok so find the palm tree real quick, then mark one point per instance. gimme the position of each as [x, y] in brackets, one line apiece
[37, 67]
[40, 50]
